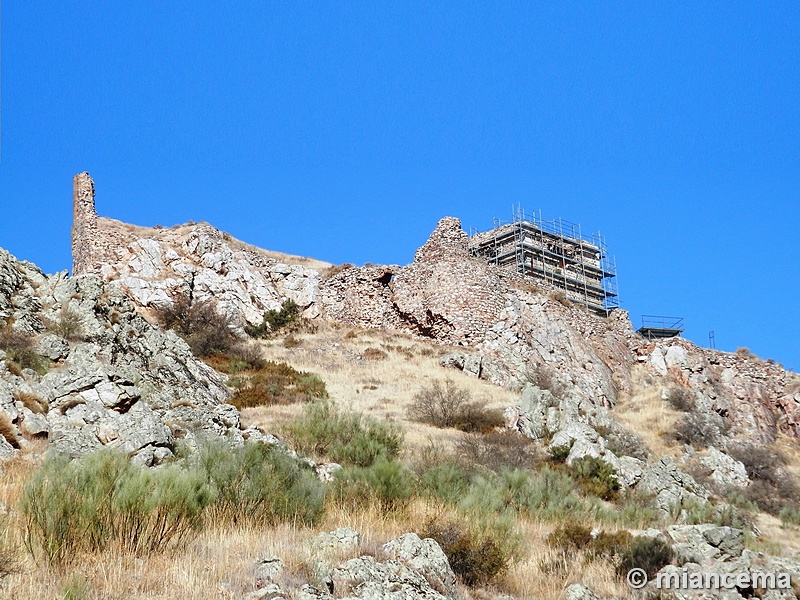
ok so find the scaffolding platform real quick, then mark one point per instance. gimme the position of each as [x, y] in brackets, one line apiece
[656, 327]
[555, 252]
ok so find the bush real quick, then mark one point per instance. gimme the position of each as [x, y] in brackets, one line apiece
[242, 357]
[200, 324]
[439, 405]
[344, 437]
[68, 325]
[446, 482]
[700, 430]
[450, 406]
[596, 477]
[610, 546]
[650, 554]
[772, 488]
[258, 484]
[569, 536]
[385, 482]
[545, 494]
[681, 399]
[478, 555]
[559, 454]
[20, 355]
[275, 320]
[623, 442]
[497, 450]
[278, 383]
[104, 500]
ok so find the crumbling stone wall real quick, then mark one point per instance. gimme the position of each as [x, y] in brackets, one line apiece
[84, 225]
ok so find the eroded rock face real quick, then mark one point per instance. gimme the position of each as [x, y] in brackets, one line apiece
[120, 383]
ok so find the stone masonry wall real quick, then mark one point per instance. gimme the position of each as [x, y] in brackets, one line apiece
[84, 225]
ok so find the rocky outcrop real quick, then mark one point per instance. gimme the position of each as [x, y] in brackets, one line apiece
[152, 265]
[757, 398]
[408, 567]
[672, 487]
[119, 382]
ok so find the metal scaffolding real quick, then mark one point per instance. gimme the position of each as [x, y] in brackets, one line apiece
[556, 252]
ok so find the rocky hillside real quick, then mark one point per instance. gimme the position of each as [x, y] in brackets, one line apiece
[685, 449]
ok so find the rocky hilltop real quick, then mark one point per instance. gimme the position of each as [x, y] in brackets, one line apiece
[84, 364]
[513, 329]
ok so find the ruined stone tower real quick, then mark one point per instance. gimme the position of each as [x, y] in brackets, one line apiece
[84, 225]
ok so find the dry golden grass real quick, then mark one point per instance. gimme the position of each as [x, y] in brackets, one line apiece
[645, 413]
[33, 402]
[360, 379]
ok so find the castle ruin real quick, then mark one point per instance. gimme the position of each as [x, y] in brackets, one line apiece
[84, 226]
[555, 252]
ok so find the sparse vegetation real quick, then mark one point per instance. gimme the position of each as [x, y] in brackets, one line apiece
[277, 383]
[773, 489]
[275, 320]
[497, 450]
[67, 325]
[20, 354]
[620, 548]
[34, 403]
[200, 324]
[8, 431]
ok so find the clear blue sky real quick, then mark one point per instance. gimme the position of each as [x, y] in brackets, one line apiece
[345, 130]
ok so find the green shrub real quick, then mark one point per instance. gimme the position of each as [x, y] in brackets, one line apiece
[344, 437]
[638, 510]
[596, 477]
[275, 320]
[104, 500]
[278, 383]
[650, 554]
[477, 554]
[790, 516]
[386, 482]
[258, 484]
[559, 454]
[545, 494]
[446, 482]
